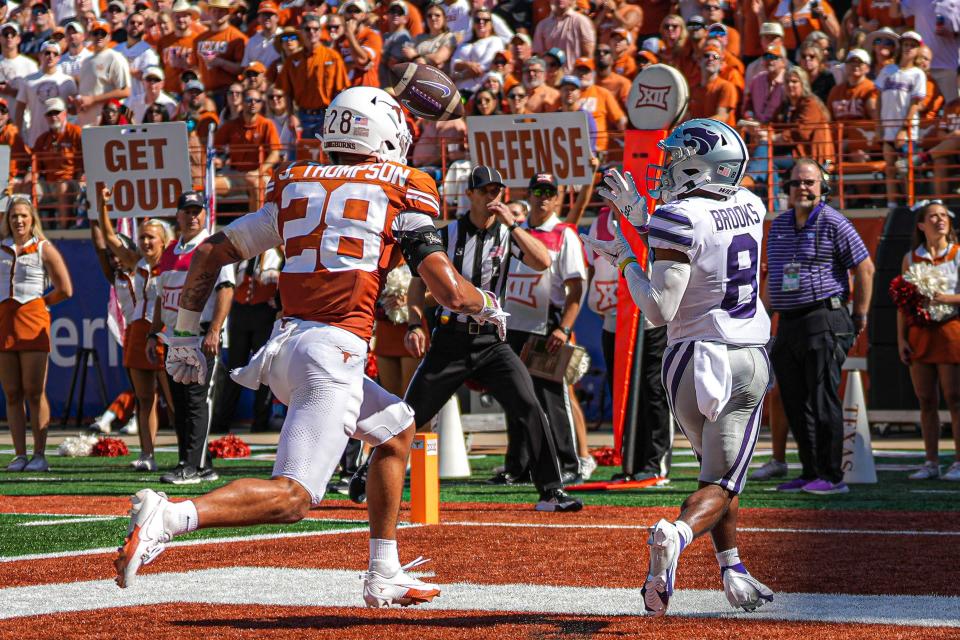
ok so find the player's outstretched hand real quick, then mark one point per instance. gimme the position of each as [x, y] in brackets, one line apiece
[491, 312]
[616, 251]
[186, 363]
[623, 194]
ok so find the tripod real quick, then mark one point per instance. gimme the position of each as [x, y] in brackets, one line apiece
[83, 360]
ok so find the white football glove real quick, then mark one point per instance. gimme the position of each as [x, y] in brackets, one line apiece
[186, 363]
[617, 251]
[623, 194]
[491, 312]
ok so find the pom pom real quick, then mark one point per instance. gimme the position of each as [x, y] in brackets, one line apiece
[606, 457]
[77, 446]
[393, 299]
[229, 446]
[110, 448]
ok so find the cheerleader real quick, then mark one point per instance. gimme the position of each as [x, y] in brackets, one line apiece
[28, 262]
[933, 352]
[134, 273]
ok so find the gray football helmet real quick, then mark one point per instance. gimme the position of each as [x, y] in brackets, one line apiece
[700, 154]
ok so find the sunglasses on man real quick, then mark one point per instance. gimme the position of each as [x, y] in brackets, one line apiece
[543, 192]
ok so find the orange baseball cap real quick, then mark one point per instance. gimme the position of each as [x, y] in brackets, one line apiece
[255, 65]
[648, 56]
[505, 54]
[713, 48]
[776, 50]
[584, 62]
[268, 7]
[98, 25]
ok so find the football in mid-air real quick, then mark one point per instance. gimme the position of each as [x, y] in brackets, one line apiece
[426, 91]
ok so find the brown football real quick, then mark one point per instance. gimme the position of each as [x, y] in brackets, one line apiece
[426, 91]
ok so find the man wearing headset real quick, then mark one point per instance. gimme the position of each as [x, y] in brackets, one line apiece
[812, 248]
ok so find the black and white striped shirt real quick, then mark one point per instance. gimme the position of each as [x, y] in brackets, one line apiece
[487, 268]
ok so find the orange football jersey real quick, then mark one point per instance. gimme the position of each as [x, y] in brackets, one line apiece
[337, 223]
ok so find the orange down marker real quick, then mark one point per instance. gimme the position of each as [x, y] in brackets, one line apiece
[425, 479]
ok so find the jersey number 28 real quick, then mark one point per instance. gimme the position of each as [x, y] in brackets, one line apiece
[343, 225]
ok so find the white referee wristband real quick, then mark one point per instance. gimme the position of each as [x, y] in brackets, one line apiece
[188, 322]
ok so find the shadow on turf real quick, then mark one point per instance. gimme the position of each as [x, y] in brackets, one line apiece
[561, 627]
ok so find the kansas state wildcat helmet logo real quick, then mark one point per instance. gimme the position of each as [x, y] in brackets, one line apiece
[700, 140]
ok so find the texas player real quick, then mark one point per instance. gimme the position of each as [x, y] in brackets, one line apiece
[343, 227]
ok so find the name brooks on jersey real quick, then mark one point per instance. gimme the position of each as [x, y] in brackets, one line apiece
[735, 217]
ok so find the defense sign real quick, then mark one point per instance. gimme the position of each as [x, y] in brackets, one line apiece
[147, 167]
[658, 98]
[519, 146]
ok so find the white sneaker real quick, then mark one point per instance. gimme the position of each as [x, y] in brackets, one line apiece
[587, 466]
[99, 426]
[400, 588]
[743, 591]
[17, 464]
[772, 469]
[144, 463]
[131, 428]
[664, 543]
[38, 463]
[929, 471]
[146, 535]
[953, 473]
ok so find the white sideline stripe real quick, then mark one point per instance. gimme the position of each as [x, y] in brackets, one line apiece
[194, 543]
[48, 523]
[338, 588]
[867, 532]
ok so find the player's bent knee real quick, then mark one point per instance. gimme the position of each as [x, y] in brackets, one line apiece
[400, 443]
[295, 500]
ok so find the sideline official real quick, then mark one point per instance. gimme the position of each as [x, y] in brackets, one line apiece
[811, 250]
[481, 244]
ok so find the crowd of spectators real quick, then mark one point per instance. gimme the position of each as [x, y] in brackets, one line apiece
[263, 73]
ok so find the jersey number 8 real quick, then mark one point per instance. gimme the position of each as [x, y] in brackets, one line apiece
[340, 231]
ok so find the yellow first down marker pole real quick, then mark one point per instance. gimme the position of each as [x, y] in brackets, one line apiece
[425, 479]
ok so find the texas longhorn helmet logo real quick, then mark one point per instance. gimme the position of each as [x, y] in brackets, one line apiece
[655, 97]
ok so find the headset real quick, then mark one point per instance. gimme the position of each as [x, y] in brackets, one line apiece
[825, 189]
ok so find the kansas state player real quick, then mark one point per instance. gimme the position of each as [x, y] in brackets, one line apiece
[706, 238]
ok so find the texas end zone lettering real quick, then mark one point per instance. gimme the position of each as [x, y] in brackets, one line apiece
[524, 152]
[142, 193]
[735, 217]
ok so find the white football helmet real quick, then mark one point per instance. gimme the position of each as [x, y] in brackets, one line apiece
[700, 154]
[366, 120]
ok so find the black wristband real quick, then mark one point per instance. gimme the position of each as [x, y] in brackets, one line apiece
[512, 227]
[414, 325]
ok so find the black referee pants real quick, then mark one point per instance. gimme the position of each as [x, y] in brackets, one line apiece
[453, 358]
[807, 357]
[553, 399]
[248, 329]
[191, 418]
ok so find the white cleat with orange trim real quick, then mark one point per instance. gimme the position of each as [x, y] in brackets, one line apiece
[146, 535]
[402, 589]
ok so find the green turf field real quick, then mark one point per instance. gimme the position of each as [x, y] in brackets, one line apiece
[114, 477]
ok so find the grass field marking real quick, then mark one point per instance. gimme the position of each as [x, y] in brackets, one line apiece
[202, 541]
[812, 531]
[341, 588]
[51, 523]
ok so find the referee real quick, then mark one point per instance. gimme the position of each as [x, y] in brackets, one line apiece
[481, 245]
[812, 249]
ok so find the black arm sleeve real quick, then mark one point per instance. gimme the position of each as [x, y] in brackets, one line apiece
[417, 245]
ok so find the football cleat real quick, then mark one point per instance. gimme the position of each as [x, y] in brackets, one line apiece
[664, 543]
[743, 591]
[146, 535]
[357, 489]
[399, 589]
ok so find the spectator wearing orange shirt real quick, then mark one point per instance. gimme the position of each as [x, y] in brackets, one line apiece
[607, 78]
[359, 45]
[219, 51]
[59, 160]
[872, 14]
[855, 103]
[934, 102]
[750, 17]
[19, 152]
[800, 19]
[623, 62]
[713, 97]
[521, 49]
[503, 64]
[599, 102]
[713, 14]
[177, 49]
[253, 148]
[312, 76]
[414, 22]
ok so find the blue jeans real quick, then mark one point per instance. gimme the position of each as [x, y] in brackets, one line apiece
[311, 124]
